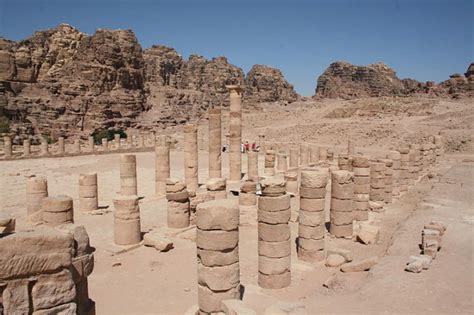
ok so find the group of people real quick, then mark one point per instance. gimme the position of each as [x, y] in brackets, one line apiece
[245, 147]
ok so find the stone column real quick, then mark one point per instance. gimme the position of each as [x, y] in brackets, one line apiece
[304, 154]
[178, 204]
[141, 141]
[162, 165]
[215, 145]
[261, 143]
[388, 180]
[291, 178]
[191, 157]
[105, 144]
[269, 162]
[130, 142]
[350, 147]
[44, 150]
[77, 146]
[311, 219]
[26, 147]
[36, 191]
[361, 169]
[274, 242]
[235, 131]
[395, 157]
[90, 144]
[439, 145]
[153, 139]
[252, 166]
[216, 188]
[57, 210]
[344, 162]
[61, 147]
[342, 194]
[314, 154]
[128, 175]
[217, 243]
[294, 157]
[323, 154]
[7, 149]
[88, 192]
[247, 195]
[117, 141]
[127, 229]
[281, 163]
[377, 181]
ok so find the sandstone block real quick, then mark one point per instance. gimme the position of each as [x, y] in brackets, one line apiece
[273, 187]
[415, 266]
[347, 254]
[217, 240]
[312, 205]
[311, 255]
[127, 232]
[311, 232]
[278, 203]
[218, 215]
[335, 260]
[274, 249]
[274, 265]
[345, 230]
[316, 178]
[340, 205]
[212, 258]
[368, 234]
[51, 290]
[313, 193]
[211, 302]
[311, 218]
[273, 232]
[247, 199]
[310, 244]
[361, 265]
[236, 307]
[341, 218]
[178, 196]
[274, 217]
[213, 184]
[158, 241]
[274, 281]
[219, 278]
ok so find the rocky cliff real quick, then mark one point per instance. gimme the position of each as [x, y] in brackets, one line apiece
[64, 82]
[347, 81]
[267, 84]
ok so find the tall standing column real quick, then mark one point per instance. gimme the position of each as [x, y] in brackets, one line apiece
[252, 166]
[388, 179]
[44, 150]
[361, 169]
[274, 241]
[90, 144]
[291, 178]
[323, 154]
[404, 169]
[269, 163]
[127, 229]
[344, 162]
[77, 146]
[341, 212]
[61, 149]
[128, 175]
[377, 181]
[215, 145]
[117, 141]
[217, 243]
[261, 143]
[26, 147]
[7, 145]
[162, 165]
[191, 157]
[294, 157]
[88, 199]
[105, 144]
[304, 154]
[311, 219]
[36, 191]
[314, 154]
[350, 147]
[235, 131]
[281, 163]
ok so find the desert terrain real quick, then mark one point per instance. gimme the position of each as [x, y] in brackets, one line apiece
[142, 280]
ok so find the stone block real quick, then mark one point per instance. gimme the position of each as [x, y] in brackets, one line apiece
[312, 205]
[217, 240]
[236, 307]
[273, 232]
[274, 281]
[278, 203]
[274, 217]
[219, 278]
[361, 265]
[274, 249]
[213, 258]
[218, 215]
[368, 234]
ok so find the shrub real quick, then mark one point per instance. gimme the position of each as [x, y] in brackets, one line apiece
[107, 133]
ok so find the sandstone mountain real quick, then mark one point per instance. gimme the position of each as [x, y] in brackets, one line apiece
[64, 82]
[347, 81]
[267, 84]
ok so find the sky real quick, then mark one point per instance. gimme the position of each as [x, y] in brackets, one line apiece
[419, 39]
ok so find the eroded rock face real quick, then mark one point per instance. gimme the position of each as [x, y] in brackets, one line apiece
[64, 82]
[347, 81]
[267, 84]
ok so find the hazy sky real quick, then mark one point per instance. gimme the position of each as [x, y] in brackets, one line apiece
[420, 39]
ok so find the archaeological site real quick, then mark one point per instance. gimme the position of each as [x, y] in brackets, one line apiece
[135, 180]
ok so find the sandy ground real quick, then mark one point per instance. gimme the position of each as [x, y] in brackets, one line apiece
[144, 281]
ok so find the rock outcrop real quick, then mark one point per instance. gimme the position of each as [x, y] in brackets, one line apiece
[62, 82]
[347, 81]
[267, 84]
